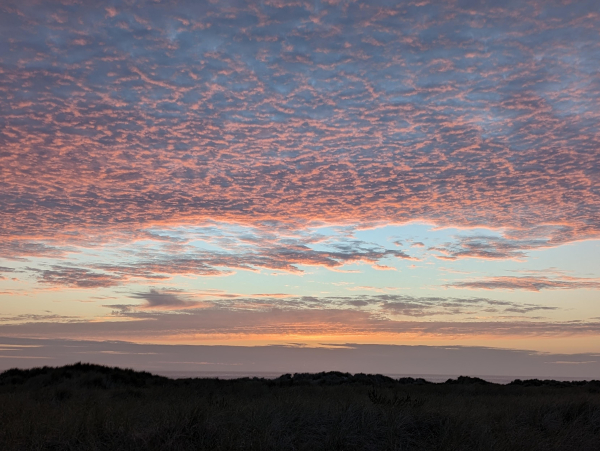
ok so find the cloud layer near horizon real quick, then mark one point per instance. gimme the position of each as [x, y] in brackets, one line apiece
[272, 361]
[175, 315]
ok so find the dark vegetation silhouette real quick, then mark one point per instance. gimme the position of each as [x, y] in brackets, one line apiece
[92, 407]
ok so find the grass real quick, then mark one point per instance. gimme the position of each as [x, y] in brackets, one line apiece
[93, 407]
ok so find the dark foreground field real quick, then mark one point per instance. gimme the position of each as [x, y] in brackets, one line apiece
[91, 407]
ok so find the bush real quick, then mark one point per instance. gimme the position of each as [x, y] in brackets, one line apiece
[93, 407]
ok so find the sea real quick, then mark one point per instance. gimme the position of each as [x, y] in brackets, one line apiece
[437, 378]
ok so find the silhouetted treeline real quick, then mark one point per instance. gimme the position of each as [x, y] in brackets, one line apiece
[94, 407]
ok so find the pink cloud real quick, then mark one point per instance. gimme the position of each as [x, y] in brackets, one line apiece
[383, 268]
[249, 132]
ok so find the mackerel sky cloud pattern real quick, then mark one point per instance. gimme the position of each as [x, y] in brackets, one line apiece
[148, 147]
[135, 113]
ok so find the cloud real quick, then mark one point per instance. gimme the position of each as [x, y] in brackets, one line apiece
[30, 317]
[116, 117]
[75, 277]
[383, 268]
[262, 322]
[155, 299]
[358, 303]
[229, 249]
[431, 306]
[20, 249]
[390, 306]
[490, 247]
[529, 283]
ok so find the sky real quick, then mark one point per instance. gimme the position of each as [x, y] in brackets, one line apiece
[256, 183]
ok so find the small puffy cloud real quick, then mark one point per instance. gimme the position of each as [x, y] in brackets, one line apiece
[163, 300]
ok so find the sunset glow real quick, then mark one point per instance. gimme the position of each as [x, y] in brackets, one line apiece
[301, 174]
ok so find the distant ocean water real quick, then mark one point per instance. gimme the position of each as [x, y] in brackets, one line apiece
[427, 377]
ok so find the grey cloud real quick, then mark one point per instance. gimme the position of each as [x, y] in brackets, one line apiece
[529, 283]
[527, 309]
[430, 306]
[75, 277]
[147, 325]
[38, 317]
[489, 247]
[156, 299]
[358, 303]
[121, 309]
[388, 304]
[20, 249]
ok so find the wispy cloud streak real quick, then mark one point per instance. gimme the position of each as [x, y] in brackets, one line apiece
[529, 283]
